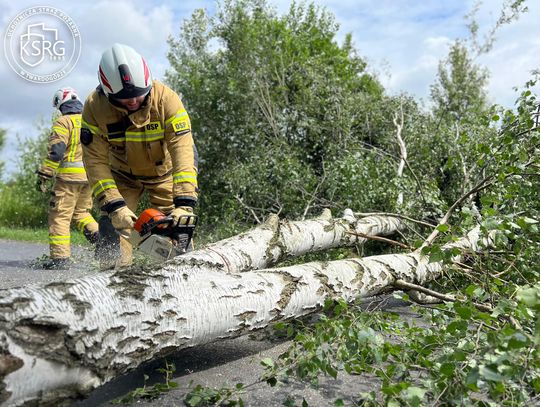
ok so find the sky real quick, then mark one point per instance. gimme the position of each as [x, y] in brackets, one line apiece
[401, 40]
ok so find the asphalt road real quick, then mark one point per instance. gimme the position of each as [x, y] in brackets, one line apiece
[218, 364]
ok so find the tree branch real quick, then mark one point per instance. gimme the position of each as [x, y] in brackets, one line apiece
[382, 239]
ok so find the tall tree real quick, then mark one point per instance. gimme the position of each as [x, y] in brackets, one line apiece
[459, 93]
[274, 90]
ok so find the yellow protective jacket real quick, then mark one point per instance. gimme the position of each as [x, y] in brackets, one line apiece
[64, 157]
[151, 142]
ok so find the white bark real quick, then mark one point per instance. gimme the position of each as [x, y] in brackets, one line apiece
[402, 149]
[63, 339]
[68, 347]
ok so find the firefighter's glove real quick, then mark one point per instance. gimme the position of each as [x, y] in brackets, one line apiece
[44, 182]
[123, 220]
[183, 215]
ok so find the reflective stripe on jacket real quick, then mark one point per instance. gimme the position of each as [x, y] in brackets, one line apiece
[64, 156]
[151, 142]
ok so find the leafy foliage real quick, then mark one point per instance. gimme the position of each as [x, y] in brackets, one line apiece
[154, 391]
[295, 124]
[22, 205]
[276, 104]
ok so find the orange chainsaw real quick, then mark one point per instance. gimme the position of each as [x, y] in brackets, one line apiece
[159, 237]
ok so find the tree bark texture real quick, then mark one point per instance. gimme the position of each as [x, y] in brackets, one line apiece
[60, 340]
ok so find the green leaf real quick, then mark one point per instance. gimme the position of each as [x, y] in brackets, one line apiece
[447, 369]
[463, 311]
[194, 401]
[490, 374]
[536, 384]
[436, 255]
[267, 362]
[456, 326]
[517, 341]
[331, 371]
[416, 392]
[528, 296]
[443, 228]
[272, 381]
[472, 379]
[339, 403]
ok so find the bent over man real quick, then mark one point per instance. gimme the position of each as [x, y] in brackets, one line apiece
[136, 137]
[71, 198]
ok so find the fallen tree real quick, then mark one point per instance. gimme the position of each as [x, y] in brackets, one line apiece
[63, 339]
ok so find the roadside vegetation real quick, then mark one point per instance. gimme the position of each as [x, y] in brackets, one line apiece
[289, 121]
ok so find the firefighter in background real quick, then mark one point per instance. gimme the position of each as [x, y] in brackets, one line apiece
[71, 196]
[136, 137]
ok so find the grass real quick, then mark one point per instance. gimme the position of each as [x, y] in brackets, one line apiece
[40, 235]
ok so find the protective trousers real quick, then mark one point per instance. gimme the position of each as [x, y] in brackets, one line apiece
[70, 202]
[159, 190]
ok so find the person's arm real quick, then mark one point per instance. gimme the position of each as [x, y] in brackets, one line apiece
[57, 144]
[179, 140]
[96, 161]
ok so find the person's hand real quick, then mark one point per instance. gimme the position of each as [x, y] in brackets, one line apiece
[43, 182]
[183, 215]
[123, 220]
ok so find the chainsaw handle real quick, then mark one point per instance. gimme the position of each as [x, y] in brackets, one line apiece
[190, 221]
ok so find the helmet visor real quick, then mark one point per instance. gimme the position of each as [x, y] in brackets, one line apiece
[129, 92]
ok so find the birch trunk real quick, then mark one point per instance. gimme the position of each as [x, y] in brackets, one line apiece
[63, 339]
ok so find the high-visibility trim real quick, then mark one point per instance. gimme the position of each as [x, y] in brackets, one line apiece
[73, 145]
[59, 239]
[71, 171]
[102, 185]
[76, 167]
[60, 130]
[185, 176]
[76, 120]
[51, 164]
[142, 137]
[178, 115]
[93, 129]
[84, 222]
[73, 164]
[115, 139]
[74, 138]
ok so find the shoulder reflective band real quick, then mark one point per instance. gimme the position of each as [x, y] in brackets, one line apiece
[102, 185]
[76, 167]
[190, 177]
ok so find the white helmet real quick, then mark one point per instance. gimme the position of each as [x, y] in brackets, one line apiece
[123, 73]
[63, 95]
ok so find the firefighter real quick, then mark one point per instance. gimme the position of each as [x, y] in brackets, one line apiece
[136, 137]
[71, 196]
